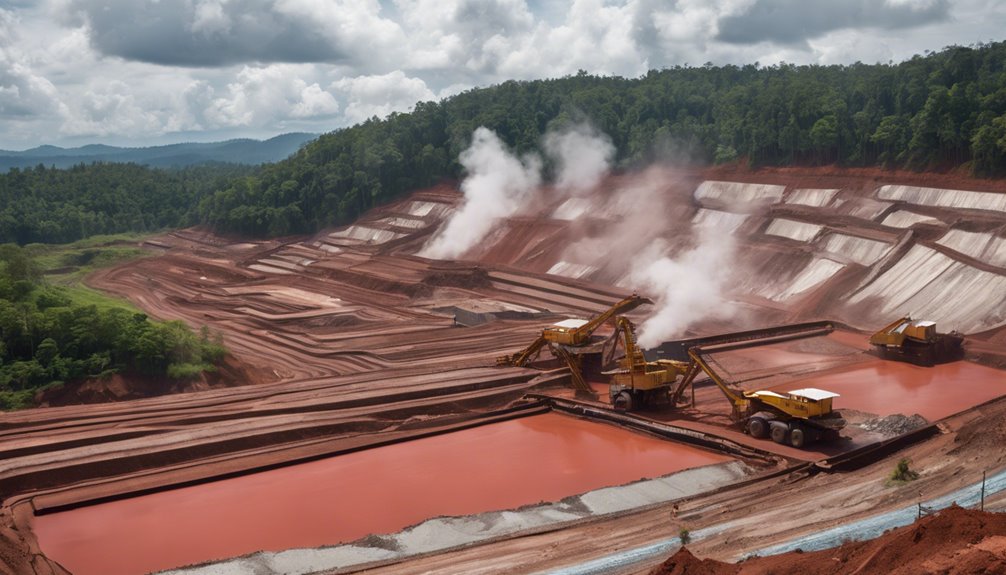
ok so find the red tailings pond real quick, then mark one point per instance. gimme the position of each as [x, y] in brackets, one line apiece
[340, 499]
[888, 387]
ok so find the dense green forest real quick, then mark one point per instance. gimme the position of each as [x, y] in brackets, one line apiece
[63, 205]
[53, 334]
[943, 110]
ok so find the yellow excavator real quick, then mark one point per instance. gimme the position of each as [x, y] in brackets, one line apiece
[566, 338]
[571, 332]
[637, 382]
[796, 418]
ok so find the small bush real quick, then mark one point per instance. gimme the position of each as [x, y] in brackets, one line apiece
[903, 473]
[187, 371]
[685, 536]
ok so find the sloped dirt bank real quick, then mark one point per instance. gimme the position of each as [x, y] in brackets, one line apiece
[955, 541]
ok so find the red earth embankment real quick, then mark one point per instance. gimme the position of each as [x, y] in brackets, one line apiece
[955, 541]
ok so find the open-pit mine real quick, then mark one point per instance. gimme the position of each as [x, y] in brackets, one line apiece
[676, 351]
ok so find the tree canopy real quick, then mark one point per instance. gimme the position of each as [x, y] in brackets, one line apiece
[47, 337]
[939, 111]
[942, 110]
[44, 204]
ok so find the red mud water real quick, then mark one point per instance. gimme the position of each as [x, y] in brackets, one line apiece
[382, 490]
[888, 387]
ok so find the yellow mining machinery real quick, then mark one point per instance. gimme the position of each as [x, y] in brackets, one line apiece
[796, 417]
[916, 341]
[637, 382]
[568, 338]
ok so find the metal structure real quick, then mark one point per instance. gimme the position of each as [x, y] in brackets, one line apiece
[564, 340]
[637, 382]
[571, 332]
[797, 417]
[916, 341]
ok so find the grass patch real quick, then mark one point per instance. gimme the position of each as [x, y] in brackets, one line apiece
[69, 264]
[83, 295]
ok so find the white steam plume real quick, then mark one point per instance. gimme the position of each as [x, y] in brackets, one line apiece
[582, 155]
[686, 289]
[498, 184]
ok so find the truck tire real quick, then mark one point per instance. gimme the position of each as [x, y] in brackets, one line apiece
[797, 437]
[758, 427]
[622, 401]
[779, 432]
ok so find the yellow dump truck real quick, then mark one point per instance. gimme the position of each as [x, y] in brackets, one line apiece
[796, 417]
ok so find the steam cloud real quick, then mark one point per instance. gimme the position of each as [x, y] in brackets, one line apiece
[497, 185]
[582, 155]
[686, 289]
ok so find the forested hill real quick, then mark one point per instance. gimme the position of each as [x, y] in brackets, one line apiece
[50, 205]
[241, 151]
[943, 110]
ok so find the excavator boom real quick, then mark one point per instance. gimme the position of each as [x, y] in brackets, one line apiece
[523, 356]
[796, 417]
[576, 333]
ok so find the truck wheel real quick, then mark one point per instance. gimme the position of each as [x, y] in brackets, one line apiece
[797, 437]
[758, 427]
[623, 402]
[779, 432]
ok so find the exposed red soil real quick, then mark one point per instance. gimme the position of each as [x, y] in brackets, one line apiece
[954, 541]
[353, 340]
[861, 178]
[684, 563]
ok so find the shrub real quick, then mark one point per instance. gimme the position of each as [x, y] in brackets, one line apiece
[903, 473]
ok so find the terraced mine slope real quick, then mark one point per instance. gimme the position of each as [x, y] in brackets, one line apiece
[353, 341]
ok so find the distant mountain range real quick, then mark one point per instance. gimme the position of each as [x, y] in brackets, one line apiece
[242, 151]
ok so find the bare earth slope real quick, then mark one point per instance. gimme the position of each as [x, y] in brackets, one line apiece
[355, 341]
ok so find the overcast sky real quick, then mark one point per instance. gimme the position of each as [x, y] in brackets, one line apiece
[141, 72]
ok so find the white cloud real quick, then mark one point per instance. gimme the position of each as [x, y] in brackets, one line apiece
[369, 96]
[110, 109]
[264, 94]
[143, 69]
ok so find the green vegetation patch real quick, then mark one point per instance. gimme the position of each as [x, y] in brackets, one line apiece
[50, 334]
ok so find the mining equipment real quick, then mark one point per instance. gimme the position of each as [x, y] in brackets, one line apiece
[569, 339]
[916, 341]
[796, 418]
[637, 382]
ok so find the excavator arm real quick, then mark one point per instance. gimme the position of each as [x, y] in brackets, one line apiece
[625, 306]
[738, 402]
[579, 335]
[575, 374]
[521, 358]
